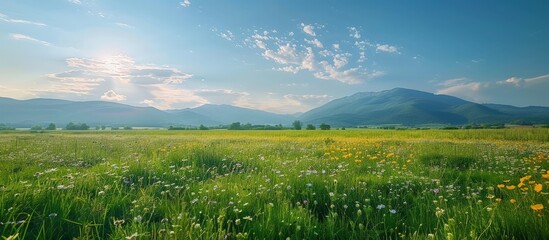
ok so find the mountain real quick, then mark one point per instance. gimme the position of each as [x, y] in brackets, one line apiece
[25, 113]
[227, 114]
[40, 111]
[412, 107]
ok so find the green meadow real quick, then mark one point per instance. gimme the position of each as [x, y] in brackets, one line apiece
[219, 184]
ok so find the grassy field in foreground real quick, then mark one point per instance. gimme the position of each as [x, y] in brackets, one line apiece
[352, 184]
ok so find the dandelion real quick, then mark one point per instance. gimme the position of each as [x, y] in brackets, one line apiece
[538, 187]
[439, 212]
[537, 207]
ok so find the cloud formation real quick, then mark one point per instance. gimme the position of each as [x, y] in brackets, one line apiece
[386, 48]
[111, 95]
[308, 29]
[185, 3]
[20, 21]
[21, 37]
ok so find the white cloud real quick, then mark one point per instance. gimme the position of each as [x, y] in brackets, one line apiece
[22, 37]
[315, 42]
[185, 3]
[353, 32]
[291, 34]
[75, 1]
[124, 25]
[308, 62]
[462, 87]
[286, 54]
[227, 35]
[260, 44]
[170, 97]
[349, 76]
[291, 69]
[335, 46]
[361, 57]
[111, 95]
[386, 48]
[341, 60]
[20, 21]
[147, 102]
[513, 80]
[308, 29]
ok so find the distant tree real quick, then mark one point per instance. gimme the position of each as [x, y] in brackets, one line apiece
[324, 126]
[235, 126]
[36, 128]
[127, 128]
[5, 127]
[80, 126]
[310, 127]
[297, 124]
[97, 127]
[103, 127]
[51, 126]
[115, 128]
[202, 127]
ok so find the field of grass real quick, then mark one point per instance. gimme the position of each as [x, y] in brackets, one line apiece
[352, 184]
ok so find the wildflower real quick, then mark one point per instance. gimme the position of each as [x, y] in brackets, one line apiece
[380, 206]
[501, 185]
[537, 207]
[393, 211]
[249, 218]
[309, 184]
[197, 226]
[512, 200]
[138, 219]
[439, 212]
[436, 190]
[237, 221]
[538, 187]
[545, 175]
[52, 215]
[490, 196]
[510, 187]
[522, 179]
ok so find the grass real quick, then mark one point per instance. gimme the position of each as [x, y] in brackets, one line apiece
[352, 184]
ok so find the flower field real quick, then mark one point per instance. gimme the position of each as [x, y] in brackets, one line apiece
[351, 184]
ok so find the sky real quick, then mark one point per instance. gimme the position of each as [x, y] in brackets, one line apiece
[281, 56]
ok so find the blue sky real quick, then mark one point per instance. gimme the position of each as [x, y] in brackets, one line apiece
[280, 56]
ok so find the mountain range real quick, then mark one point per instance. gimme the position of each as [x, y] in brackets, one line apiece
[396, 106]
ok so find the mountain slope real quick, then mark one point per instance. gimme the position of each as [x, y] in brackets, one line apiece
[42, 111]
[412, 107]
[227, 114]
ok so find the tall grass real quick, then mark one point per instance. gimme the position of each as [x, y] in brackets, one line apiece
[352, 184]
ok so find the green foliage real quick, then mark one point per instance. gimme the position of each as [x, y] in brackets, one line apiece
[297, 124]
[36, 128]
[5, 127]
[359, 184]
[324, 126]
[310, 127]
[51, 126]
[78, 126]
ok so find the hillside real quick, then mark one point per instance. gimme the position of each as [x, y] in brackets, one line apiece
[412, 107]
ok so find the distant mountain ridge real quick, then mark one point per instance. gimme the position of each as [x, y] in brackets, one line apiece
[40, 111]
[412, 107]
[396, 106]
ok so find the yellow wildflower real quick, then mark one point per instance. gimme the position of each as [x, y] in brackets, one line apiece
[538, 187]
[537, 207]
[510, 187]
